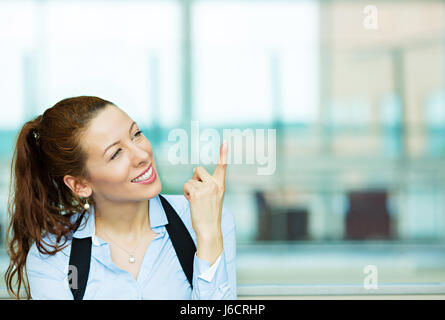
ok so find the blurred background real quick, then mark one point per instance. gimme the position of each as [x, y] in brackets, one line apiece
[359, 113]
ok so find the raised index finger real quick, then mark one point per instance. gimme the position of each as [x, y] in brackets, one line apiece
[220, 171]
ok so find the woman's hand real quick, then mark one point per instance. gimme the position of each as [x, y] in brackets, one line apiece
[205, 193]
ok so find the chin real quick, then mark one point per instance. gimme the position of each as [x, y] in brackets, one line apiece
[155, 188]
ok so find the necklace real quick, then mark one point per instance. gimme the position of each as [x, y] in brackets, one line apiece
[131, 259]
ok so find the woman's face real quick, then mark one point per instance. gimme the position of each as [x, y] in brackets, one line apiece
[114, 166]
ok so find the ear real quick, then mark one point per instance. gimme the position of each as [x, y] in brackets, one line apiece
[78, 186]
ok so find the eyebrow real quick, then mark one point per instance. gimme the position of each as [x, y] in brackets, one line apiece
[113, 144]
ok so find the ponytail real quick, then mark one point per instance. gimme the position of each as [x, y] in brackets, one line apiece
[39, 202]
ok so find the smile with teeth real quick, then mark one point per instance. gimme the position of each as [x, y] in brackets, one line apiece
[145, 176]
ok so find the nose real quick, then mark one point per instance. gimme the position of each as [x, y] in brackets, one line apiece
[140, 156]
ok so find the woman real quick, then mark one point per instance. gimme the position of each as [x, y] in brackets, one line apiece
[84, 170]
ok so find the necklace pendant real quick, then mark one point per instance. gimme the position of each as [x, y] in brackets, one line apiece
[131, 259]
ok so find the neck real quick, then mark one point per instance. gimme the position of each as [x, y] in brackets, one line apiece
[126, 221]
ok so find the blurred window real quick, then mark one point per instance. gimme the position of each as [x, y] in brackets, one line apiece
[253, 63]
[255, 60]
[57, 49]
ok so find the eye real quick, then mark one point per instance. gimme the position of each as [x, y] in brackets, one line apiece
[137, 134]
[115, 154]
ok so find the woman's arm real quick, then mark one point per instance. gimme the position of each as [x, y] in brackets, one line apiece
[218, 281]
[205, 193]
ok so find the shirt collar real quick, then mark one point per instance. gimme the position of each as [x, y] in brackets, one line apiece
[157, 214]
[157, 218]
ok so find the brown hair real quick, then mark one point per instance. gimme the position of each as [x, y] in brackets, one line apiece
[47, 149]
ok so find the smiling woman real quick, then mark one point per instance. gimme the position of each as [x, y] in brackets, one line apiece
[86, 188]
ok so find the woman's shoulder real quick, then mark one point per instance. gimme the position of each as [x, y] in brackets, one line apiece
[40, 258]
[177, 201]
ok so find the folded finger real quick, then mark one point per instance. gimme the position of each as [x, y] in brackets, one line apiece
[201, 174]
[189, 190]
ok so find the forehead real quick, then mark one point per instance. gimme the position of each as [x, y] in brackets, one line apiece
[110, 125]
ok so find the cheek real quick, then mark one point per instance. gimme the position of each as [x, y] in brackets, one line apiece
[147, 146]
[119, 171]
[115, 175]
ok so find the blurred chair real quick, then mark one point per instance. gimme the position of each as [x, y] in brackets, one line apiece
[297, 224]
[368, 217]
[264, 217]
[280, 222]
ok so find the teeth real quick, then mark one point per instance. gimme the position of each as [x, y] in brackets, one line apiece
[145, 176]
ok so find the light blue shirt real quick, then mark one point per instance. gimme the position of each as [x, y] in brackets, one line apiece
[161, 275]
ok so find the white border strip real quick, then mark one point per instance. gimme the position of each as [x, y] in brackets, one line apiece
[327, 290]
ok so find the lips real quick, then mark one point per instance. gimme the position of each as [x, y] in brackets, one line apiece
[144, 172]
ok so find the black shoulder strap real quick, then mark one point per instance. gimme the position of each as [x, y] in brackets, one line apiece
[181, 239]
[80, 256]
[79, 266]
